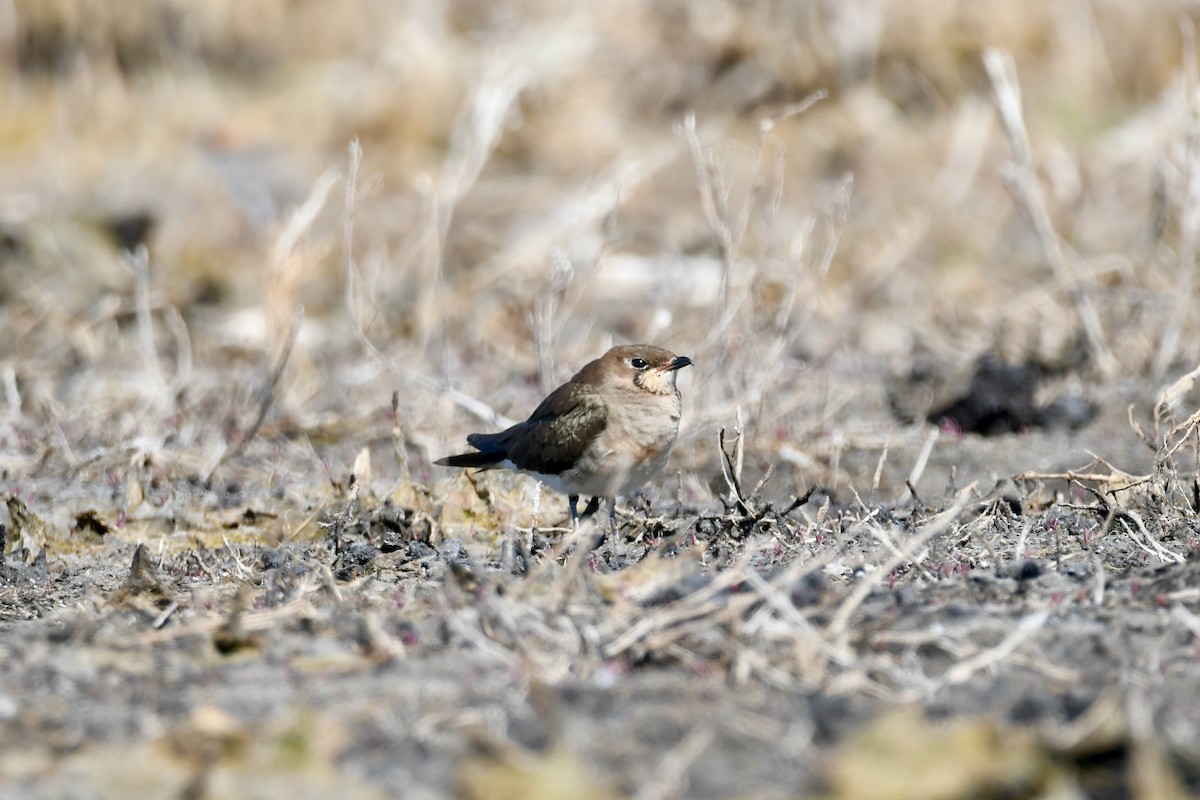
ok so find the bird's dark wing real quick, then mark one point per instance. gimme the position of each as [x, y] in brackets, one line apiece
[557, 432]
[550, 441]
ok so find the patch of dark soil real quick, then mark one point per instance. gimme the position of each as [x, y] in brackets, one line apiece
[994, 398]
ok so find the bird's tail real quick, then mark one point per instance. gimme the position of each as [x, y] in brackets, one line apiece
[471, 460]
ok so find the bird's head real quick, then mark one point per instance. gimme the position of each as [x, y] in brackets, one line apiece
[640, 366]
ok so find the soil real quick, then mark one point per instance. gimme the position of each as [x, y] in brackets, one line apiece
[337, 639]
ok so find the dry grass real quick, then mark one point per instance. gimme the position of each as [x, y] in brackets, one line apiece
[261, 262]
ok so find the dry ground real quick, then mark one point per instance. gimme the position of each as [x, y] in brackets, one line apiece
[931, 529]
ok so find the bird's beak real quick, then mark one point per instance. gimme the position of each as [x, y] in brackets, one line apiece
[679, 362]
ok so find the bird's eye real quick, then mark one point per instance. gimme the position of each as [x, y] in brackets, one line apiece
[638, 363]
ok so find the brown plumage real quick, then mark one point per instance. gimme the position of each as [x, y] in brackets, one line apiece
[604, 433]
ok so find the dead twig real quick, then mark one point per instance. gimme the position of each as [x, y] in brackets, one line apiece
[139, 262]
[268, 396]
[841, 619]
[963, 670]
[1022, 177]
[799, 501]
[922, 461]
[731, 466]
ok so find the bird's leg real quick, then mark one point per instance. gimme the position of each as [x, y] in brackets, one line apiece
[601, 534]
[592, 507]
[573, 502]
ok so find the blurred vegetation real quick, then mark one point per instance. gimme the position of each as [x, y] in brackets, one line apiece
[539, 179]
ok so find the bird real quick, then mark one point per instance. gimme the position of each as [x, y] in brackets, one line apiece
[604, 433]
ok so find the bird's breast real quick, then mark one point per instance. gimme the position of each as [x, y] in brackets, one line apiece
[645, 427]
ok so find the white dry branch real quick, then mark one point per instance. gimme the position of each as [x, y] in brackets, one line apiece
[839, 624]
[1147, 542]
[965, 669]
[139, 262]
[922, 458]
[12, 394]
[804, 631]
[1022, 177]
